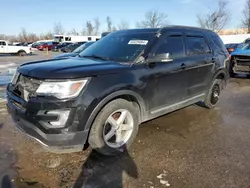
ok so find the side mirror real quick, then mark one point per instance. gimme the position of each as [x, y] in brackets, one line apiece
[165, 57]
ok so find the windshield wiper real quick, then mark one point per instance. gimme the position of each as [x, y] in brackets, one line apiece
[96, 57]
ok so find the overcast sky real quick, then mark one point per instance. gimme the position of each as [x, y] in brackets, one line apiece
[40, 16]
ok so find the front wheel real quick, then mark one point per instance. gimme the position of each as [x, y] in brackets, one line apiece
[213, 94]
[114, 128]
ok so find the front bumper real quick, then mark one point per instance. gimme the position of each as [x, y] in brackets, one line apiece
[241, 68]
[241, 64]
[28, 119]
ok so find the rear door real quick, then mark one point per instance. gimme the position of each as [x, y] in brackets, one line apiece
[199, 63]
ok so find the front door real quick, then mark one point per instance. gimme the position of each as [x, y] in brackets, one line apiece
[167, 80]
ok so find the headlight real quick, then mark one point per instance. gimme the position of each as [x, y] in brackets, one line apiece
[61, 90]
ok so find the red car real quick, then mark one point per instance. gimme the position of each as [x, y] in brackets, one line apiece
[48, 45]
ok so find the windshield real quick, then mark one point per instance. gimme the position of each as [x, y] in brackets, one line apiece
[82, 47]
[246, 47]
[121, 46]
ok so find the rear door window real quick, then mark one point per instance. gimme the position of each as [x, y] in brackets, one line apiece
[196, 46]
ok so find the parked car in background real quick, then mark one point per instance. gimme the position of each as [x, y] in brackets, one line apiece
[75, 52]
[240, 61]
[104, 34]
[24, 44]
[5, 48]
[40, 42]
[58, 47]
[36, 44]
[231, 47]
[71, 47]
[126, 78]
[47, 45]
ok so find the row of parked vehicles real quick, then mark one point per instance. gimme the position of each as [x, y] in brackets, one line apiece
[57, 46]
[240, 57]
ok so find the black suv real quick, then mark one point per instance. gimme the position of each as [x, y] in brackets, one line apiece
[124, 79]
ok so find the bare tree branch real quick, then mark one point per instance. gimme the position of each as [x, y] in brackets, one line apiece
[73, 32]
[23, 35]
[89, 28]
[215, 19]
[109, 24]
[153, 19]
[58, 28]
[123, 25]
[246, 16]
[97, 26]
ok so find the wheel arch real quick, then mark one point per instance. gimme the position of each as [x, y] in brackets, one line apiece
[19, 51]
[128, 95]
[222, 75]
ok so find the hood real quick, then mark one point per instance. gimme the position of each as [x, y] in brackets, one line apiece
[241, 52]
[65, 55]
[74, 67]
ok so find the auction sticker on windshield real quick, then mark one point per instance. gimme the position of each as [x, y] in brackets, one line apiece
[138, 42]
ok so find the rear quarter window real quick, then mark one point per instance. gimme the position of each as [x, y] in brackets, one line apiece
[196, 46]
[218, 43]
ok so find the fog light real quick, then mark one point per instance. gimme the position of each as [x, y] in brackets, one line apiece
[62, 118]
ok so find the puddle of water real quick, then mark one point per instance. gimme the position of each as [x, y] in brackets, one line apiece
[5, 79]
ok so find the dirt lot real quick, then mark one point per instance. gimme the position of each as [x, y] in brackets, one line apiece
[192, 148]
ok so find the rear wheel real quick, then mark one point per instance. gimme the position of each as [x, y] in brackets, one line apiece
[21, 53]
[213, 94]
[114, 128]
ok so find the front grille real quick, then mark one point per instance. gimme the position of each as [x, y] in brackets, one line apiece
[26, 87]
[242, 60]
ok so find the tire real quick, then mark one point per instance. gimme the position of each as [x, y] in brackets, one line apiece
[231, 71]
[213, 94]
[21, 53]
[101, 127]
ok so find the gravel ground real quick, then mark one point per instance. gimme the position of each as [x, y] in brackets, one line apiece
[192, 148]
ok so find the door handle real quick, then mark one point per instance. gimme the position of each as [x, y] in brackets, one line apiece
[183, 66]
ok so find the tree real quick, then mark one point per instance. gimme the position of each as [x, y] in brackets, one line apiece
[23, 35]
[246, 16]
[109, 24]
[32, 37]
[123, 25]
[153, 19]
[215, 19]
[73, 32]
[89, 28]
[97, 26]
[48, 35]
[58, 28]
